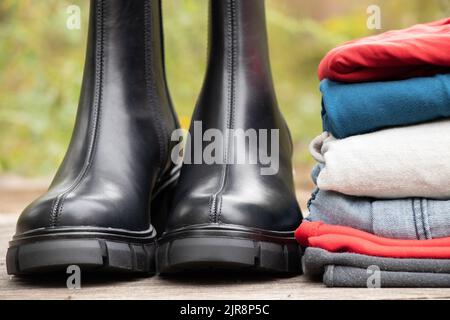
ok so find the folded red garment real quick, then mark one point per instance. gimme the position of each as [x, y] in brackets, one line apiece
[420, 50]
[344, 239]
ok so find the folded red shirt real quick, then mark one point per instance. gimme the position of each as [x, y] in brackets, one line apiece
[420, 50]
[344, 239]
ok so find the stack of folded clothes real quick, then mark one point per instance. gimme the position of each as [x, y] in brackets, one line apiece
[383, 172]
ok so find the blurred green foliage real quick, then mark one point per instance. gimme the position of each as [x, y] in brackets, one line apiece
[41, 63]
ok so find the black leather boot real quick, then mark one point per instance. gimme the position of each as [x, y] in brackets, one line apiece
[231, 216]
[96, 213]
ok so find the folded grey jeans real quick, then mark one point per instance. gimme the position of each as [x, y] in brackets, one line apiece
[411, 218]
[343, 276]
[315, 260]
[357, 270]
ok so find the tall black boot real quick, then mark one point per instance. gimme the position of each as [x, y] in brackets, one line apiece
[227, 215]
[96, 213]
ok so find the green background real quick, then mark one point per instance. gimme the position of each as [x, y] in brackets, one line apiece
[41, 63]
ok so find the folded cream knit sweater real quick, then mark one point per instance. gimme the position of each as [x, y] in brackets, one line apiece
[402, 162]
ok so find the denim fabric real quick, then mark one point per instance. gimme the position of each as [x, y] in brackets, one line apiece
[351, 277]
[413, 218]
[351, 109]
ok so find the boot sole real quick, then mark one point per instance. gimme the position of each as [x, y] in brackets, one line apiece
[90, 254]
[231, 250]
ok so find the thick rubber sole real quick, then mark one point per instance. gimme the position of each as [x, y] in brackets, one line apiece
[200, 253]
[49, 256]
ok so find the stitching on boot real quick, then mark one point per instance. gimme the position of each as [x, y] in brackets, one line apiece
[58, 204]
[150, 83]
[231, 65]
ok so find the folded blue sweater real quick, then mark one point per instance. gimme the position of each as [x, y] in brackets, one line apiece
[356, 108]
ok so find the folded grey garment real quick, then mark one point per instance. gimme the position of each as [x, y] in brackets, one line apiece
[344, 276]
[409, 219]
[315, 261]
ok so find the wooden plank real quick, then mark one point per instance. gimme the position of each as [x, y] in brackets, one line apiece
[188, 287]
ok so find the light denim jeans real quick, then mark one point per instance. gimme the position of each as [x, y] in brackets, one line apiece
[413, 218]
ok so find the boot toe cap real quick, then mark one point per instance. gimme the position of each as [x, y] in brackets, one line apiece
[234, 210]
[81, 212]
[36, 216]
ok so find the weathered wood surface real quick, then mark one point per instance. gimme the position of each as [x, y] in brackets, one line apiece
[192, 287]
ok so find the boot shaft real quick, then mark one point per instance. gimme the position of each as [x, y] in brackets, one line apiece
[238, 36]
[125, 39]
[238, 90]
[124, 85]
